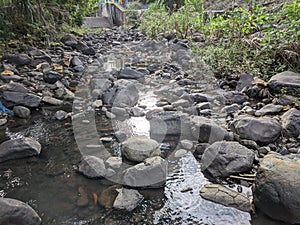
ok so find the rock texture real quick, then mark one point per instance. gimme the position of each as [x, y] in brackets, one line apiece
[287, 79]
[291, 123]
[94, 167]
[15, 212]
[222, 159]
[127, 199]
[19, 148]
[263, 130]
[225, 196]
[139, 148]
[277, 187]
[150, 173]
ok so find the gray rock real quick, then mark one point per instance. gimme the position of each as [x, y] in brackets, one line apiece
[277, 187]
[222, 159]
[21, 111]
[121, 95]
[207, 131]
[127, 199]
[235, 97]
[225, 196]
[52, 101]
[187, 144]
[19, 148]
[269, 109]
[60, 115]
[291, 123]
[230, 109]
[136, 111]
[108, 196]
[76, 61]
[285, 100]
[131, 74]
[17, 60]
[120, 113]
[3, 121]
[263, 130]
[15, 87]
[287, 79]
[150, 173]
[19, 98]
[51, 77]
[244, 82]
[15, 212]
[94, 167]
[139, 148]
[181, 102]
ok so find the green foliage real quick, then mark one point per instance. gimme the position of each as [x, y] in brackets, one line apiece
[258, 40]
[157, 19]
[40, 20]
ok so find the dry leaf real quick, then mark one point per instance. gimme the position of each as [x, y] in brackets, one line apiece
[67, 61]
[7, 72]
[259, 81]
[58, 67]
[286, 107]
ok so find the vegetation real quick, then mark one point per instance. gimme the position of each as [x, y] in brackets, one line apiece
[256, 39]
[40, 20]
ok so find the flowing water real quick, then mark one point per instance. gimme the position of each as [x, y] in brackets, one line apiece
[51, 185]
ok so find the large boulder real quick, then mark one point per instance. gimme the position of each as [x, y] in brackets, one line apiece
[225, 196]
[127, 199]
[287, 79]
[15, 212]
[207, 131]
[277, 187]
[291, 123]
[19, 148]
[263, 130]
[222, 159]
[269, 109]
[20, 98]
[139, 148]
[150, 173]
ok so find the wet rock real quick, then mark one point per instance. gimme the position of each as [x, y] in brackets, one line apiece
[21, 111]
[139, 148]
[207, 131]
[136, 111]
[187, 144]
[181, 102]
[99, 86]
[269, 109]
[287, 79]
[19, 98]
[83, 199]
[291, 123]
[51, 77]
[169, 124]
[131, 74]
[94, 167]
[127, 199]
[150, 173]
[52, 101]
[121, 95]
[222, 159]
[114, 162]
[19, 148]
[263, 130]
[15, 212]
[108, 196]
[17, 60]
[120, 113]
[225, 196]
[60, 115]
[277, 187]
